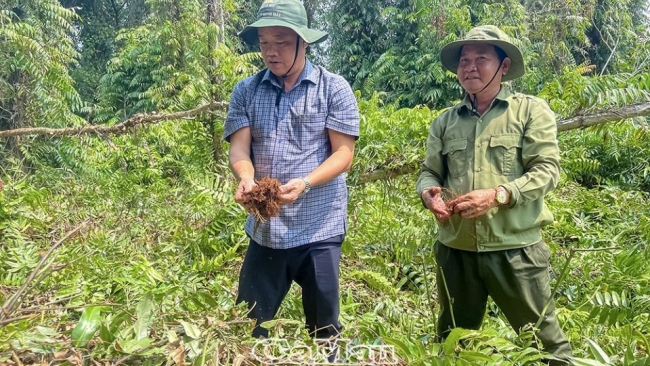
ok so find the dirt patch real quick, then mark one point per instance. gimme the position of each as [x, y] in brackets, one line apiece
[264, 199]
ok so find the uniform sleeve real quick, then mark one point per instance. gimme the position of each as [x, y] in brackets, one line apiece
[343, 111]
[237, 117]
[540, 155]
[433, 168]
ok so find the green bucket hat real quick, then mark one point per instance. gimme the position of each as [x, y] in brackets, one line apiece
[282, 13]
[490, 34]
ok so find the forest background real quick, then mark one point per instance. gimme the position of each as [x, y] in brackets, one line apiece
[120, 241]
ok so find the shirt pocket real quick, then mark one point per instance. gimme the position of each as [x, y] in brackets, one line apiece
[505, 155]
[456, 156]
[306, 130]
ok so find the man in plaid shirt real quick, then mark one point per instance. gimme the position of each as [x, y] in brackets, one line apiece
[298, 123]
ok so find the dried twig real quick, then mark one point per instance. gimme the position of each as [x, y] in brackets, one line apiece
[10, 305]
[16, 319]
[140, 119]
[39, 310]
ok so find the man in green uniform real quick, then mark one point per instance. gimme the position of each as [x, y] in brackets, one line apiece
[490, 160]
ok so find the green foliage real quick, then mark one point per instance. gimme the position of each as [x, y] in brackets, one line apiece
[96, 27]
[88, 325]
[174, 65]
[616, 156]
[572, 92]
[153, 277]
[36, 52]
[396, 50]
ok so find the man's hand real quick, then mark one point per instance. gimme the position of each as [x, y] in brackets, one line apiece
[244, 187]
[290, 191]
[432, 198]
[474, 204]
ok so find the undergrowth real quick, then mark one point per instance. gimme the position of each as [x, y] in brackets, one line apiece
[148, 274]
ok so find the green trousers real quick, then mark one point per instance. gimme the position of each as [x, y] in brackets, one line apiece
[516, 279]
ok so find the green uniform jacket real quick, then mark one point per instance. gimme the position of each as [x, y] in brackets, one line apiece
[514, 144]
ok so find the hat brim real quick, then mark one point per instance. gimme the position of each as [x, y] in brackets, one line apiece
[311, 36]
[450, 56]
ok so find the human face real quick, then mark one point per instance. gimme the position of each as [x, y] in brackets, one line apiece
[478, 64]
[278, 46]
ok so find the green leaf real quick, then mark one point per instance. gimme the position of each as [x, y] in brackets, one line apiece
[450, 343]
[475, 356]
[586, 362]
[191, 330]
[87, 326]
[598, 352]
[144, 313]
[132, 345]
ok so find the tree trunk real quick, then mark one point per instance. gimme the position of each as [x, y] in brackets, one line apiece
[215, 15]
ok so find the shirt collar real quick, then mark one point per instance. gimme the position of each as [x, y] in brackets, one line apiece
[307, 74]
[466, 104]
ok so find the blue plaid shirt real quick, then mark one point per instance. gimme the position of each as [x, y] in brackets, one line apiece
[289, 140]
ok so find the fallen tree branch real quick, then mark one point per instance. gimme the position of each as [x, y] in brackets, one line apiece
[140, 119]
[579, 121]
[10, 306]
[609, 115]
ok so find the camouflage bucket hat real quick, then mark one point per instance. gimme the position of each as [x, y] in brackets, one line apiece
[282, 13]
[490, 34]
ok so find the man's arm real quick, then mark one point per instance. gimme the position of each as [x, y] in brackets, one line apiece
[240, 162]
[336, 164]
[433, 167]
[541, 157]
[541, 161]
[339, 162]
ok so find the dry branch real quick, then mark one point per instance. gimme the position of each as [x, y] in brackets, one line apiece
[609, 115]
[579, 121]
[140, 119]
[10, 305]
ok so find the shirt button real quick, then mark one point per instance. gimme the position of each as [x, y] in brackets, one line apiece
[478, 223]
[478, 169]
[480, 120]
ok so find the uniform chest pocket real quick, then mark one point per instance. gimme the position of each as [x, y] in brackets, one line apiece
[306, 130]
[455, 154]
[505, 155]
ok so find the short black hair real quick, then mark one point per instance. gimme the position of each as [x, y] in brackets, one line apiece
[501, 53]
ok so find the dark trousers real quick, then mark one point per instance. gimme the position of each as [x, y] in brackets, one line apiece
[267, 275]
[516, 279]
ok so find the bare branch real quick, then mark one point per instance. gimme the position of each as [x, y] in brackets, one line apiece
[9, 307]
[609, 115]
[579, 121]
[123, 127]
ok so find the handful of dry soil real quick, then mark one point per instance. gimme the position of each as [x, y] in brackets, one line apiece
[264, 199]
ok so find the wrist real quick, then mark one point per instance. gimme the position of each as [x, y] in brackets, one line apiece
[501, 196]
[307, 185]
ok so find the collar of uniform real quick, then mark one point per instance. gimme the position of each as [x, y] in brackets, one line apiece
[307, 74]
[465, 104]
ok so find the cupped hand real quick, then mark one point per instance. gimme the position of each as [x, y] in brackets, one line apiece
[291, 191]
[432, 198]
[244, 187]
[474, 204]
